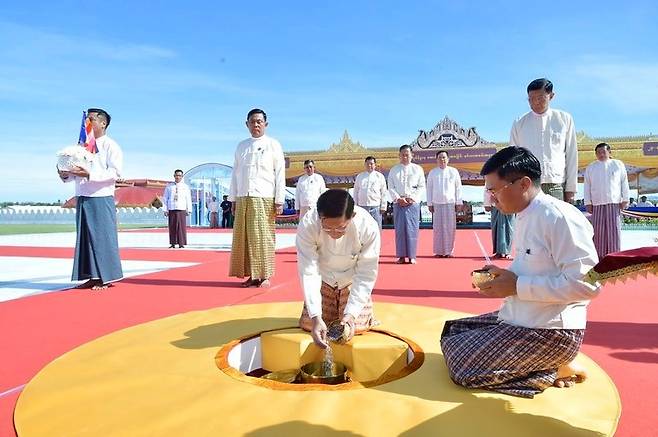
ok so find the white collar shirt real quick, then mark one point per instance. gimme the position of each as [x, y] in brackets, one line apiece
[308, 190]
[645, 204]
[553, 253]
[406, 181]
[259, 170]
[370, 189]
[606, 182]
[177, 196]
[444, 186]
[213, 206]
[351, 259]
[104, 171]
[551, 137]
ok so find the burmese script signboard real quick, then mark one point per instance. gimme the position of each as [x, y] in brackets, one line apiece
[456, 155]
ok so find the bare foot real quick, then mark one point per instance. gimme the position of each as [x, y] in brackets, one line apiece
[570, 374]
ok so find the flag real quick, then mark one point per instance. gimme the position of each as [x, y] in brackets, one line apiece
[86, 138]
[83, 135]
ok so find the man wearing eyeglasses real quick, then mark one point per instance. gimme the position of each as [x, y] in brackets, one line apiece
[97, 247]
[338, 247]
[177, 201]
[257, 191]
[550, 135]
[308, 189]
[531, 343]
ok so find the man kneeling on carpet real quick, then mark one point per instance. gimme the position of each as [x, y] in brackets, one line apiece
[337, 257]
[529, 344]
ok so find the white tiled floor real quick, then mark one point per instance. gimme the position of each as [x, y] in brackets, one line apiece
[27, 276]
[151, 240]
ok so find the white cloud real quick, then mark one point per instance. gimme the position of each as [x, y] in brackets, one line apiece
[24, 41]
[630, 86]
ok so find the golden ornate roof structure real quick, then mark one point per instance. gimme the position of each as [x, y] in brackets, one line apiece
[341, 162]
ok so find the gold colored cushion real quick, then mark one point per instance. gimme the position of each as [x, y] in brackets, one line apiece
[368, 356]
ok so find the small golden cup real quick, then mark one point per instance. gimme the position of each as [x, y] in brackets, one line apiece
[480, 277]
[338, 333]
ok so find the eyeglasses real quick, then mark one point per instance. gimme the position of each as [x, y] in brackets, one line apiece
[495, 191]
[338, 230]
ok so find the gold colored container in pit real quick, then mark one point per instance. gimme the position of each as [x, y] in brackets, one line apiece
[288, 376]
[313, 373]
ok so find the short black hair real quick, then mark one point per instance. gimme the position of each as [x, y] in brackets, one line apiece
[541, 84]
[309, 161]
[405, 146]
[335, 203]
[178, 170]
[102, 113]
[442, 151]
[606, 145]
[512, 163]
[225, 196]
[256, 111]
[370, 158]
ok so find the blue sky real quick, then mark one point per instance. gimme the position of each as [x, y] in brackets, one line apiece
[178, 78]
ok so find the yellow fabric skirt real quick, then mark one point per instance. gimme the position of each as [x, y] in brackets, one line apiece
[252, 252]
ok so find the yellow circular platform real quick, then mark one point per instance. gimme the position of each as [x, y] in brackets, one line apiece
[160, 379]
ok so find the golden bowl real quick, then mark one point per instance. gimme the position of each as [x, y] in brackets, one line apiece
[480, 277]
[288, 376]
[314, 373]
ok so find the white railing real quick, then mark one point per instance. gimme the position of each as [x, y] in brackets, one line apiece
[148, 216]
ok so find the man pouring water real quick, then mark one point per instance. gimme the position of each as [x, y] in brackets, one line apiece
[337, 257]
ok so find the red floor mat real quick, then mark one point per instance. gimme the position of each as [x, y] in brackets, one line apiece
[622, 335]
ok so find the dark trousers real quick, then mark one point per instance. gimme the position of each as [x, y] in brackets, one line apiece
[177, 227]
[226, 220]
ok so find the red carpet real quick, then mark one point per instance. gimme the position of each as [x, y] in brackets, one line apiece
[622, 334]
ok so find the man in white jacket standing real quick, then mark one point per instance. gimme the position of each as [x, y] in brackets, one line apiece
[177, 201]
[550, 135]
[257, 191]
[444, 199]
[370, 190]
[309, 187]
[97, 245]
[606, 195]
[406, 182]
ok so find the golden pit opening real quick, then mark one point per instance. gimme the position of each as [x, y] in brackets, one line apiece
[372, 358]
